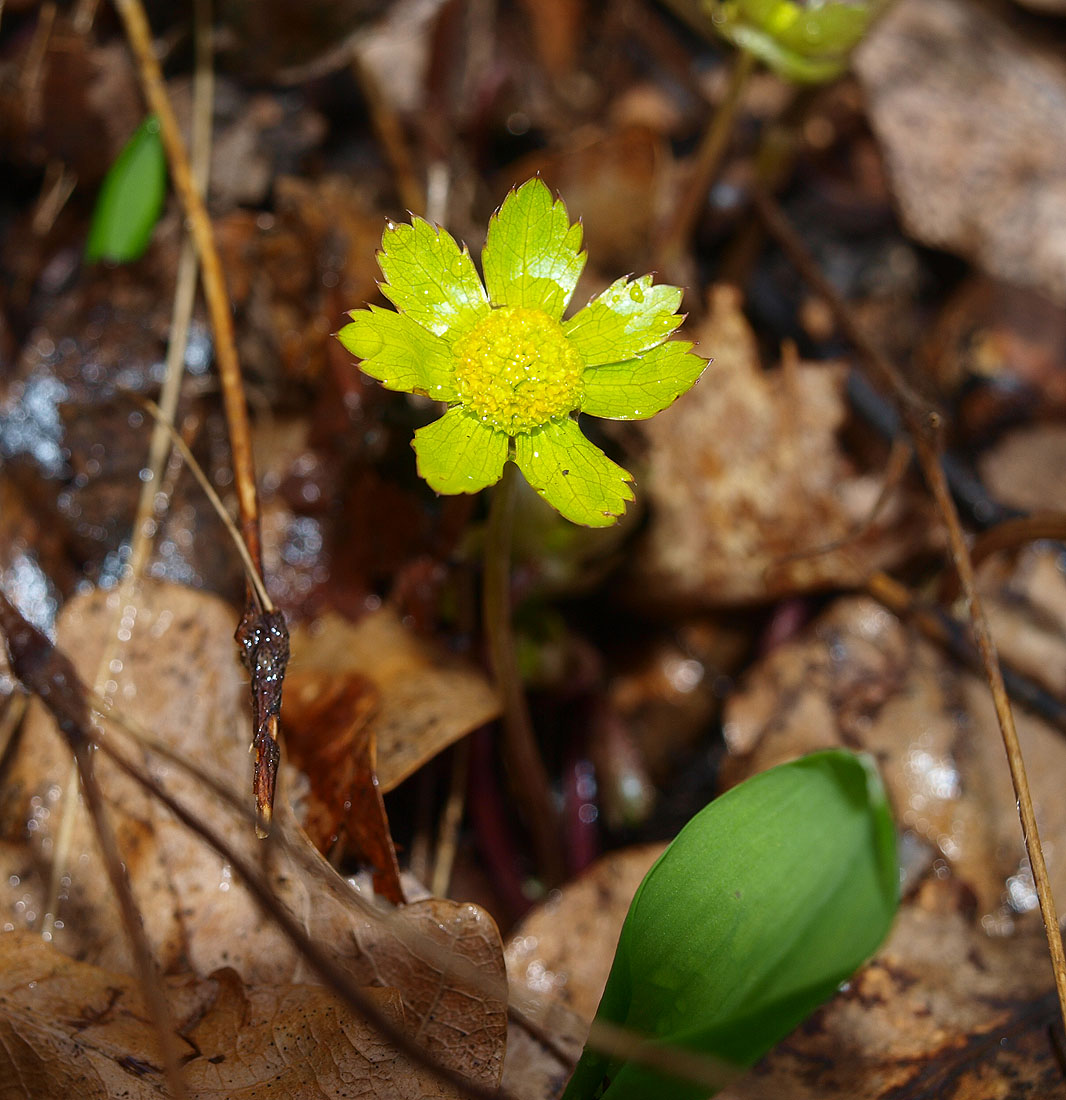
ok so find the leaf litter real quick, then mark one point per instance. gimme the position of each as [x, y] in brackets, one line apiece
[966, 969]
[198, 916]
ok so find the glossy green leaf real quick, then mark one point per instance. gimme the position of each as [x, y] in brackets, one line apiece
[460, 454]
[641, 387]
[765, 902]
[532, 255]
[573, 475]
[431, 279]
[400, 354]
[628, 318]
[130, 199]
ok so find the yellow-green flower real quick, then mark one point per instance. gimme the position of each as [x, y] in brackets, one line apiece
[513, 373]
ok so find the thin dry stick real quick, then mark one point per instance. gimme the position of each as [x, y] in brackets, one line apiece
[708, 161]
[954, 636]
[1009, 535]
[147, 973]
[922, 424]
[140, 38]
[184, 295]
[262, 636]
[43, 669]
[12, 715]
[251, 574]
[450, 820]
[143, 529]
[389, 129]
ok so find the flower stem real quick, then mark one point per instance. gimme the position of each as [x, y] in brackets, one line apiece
[525, 768]
[708, 160]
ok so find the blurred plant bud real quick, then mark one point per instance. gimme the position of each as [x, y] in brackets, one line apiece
[809, 41]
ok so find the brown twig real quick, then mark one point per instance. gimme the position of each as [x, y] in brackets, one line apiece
[262, 636]
[389, 129]
[140, 38]
[1009, 535]
[715, 142]
[49, 674]
[923, 424]
[954, 636]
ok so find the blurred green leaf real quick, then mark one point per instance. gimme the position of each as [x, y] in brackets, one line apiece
[809, 41]
[130, 199]
[765, 902]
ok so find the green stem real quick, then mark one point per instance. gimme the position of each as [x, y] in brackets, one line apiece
[708, 161]
[525, 768]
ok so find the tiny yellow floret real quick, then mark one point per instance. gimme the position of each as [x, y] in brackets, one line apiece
[516, 370]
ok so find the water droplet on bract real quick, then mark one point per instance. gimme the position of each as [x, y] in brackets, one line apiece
[636, 293]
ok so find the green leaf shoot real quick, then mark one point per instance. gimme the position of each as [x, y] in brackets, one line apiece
[764, 903]
[130, 199]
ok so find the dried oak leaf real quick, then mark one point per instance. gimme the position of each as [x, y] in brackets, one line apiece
[745, 474]
[177, 675]
[426, 701]
[68, 1028]
[969, 114]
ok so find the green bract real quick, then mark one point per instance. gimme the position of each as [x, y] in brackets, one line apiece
[805, 40]
[764, 903]
[512, 371]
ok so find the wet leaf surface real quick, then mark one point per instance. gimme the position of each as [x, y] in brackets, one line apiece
[426, 702]
[965, 106]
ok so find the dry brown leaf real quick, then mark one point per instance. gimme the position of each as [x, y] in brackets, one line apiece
[180, 678]
[1027, 468]
[329, 737]
[564, 948]
[860, 679]
[744, 474]
[558, 960]
[427, 702]
[969, 114]
[71, 1029]
[943, 1011]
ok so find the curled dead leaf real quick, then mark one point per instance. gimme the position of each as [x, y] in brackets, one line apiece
[747, 484]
